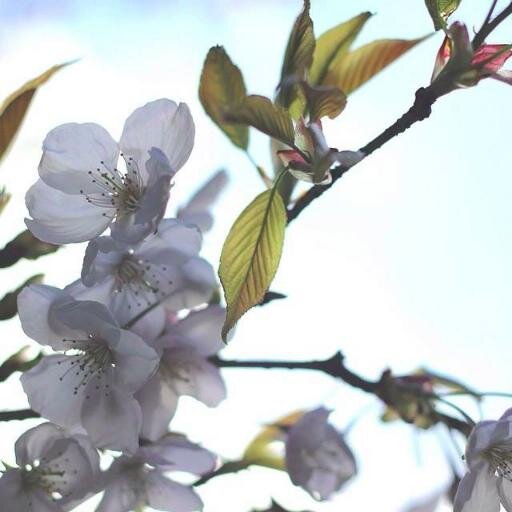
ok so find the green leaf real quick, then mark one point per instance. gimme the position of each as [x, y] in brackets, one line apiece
[441, 10]
[250, 255]
[298, 56]
[222, 89]
[14, 107]
[8, 305]
[324, 101]
[25, 245]
[355, 68]
[332, 44]
[262, 114]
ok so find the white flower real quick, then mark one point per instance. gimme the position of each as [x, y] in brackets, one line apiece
[81, 191]
[129, 280]
[317, 457]
[91, 385]
[184, 370]
[488, 481]
[53, 468]
[197, 210]
[140, 481]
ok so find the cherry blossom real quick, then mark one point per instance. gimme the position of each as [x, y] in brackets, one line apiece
[197, 209]
[54, 468]
[81, 190]
[317, 457]
[139, 481]
[163, 268]
[90, 385]
[488, 481]
[184, 369]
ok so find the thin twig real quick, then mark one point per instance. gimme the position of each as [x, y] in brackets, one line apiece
[227, 468]
[21, 414]
[490, 25]
[334, 366]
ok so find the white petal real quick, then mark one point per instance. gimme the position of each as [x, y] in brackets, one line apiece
[37, 321]
[322, 484]
[151, 325]
[135, 361]
[167, 495]
[88, 318]
[126, 231]
[174, 452]
[505, 492]
[477, 492]
[174, 242]
[195, 376]
[101, 292]
[158, 402]
[34, 443]
[72, 151]
[61, 218]
[153, 203]
[200, 331]
[101, 259]
[69, 468]
[197, 210]
[111, 417]
[197, 284]
[50, 389]
[119, 496]
[163, 125]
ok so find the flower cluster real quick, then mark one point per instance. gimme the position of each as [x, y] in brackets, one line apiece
[129, 337]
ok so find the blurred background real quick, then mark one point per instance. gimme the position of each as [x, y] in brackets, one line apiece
[404, 263]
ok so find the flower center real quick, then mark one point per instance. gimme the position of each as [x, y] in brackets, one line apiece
[118, 191]
[49, 478]
[142, 279]
[92, 358]
[500, 459]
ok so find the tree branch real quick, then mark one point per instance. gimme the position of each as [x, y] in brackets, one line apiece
[21, 414]
[334, 366]
[385, 388]
[420, 110]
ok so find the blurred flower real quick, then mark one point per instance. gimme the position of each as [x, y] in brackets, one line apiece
[184, 369]
[458, 65]
[317, 457]
[81, 191]
[139, 481]
[197, 210]
[54, 467]
[313, 158]
[487, 484]
[161, 268]
[91, 384]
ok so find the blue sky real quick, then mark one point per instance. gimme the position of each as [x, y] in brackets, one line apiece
[406, 262]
